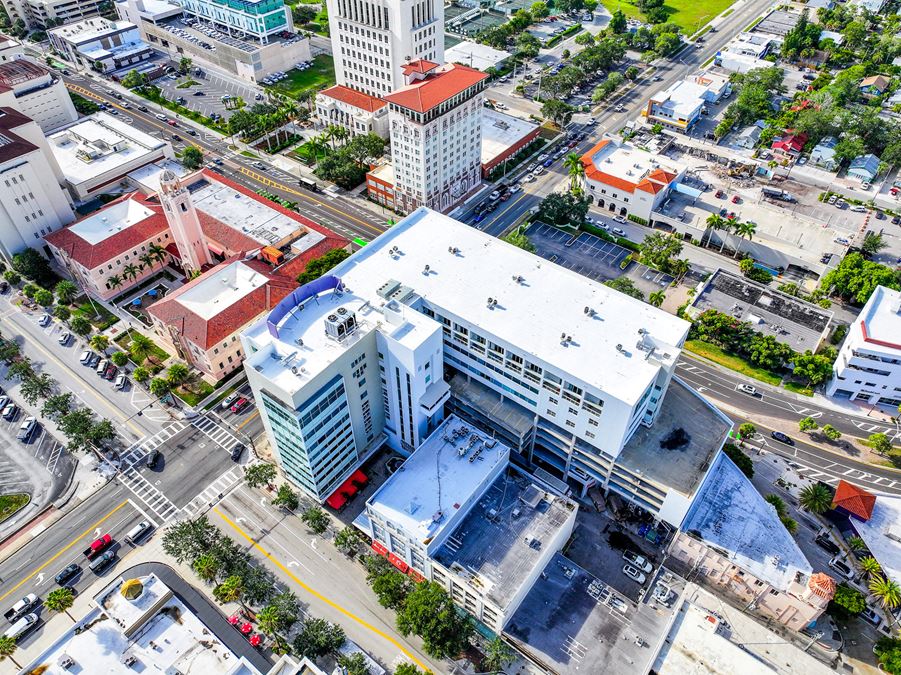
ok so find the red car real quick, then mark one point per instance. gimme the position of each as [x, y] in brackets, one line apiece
[736, 199]
[720, 194]
[172, 123]
[239, 405]
[97, 547]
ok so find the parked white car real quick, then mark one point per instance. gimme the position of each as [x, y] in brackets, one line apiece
[634, 574]
[638, 561]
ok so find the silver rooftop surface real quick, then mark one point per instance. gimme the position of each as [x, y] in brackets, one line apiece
[662, 454]
[490, 545]
[730, 514]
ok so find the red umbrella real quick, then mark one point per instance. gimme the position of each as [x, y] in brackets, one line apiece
[246, 627]
[255, 640]
[233, 619]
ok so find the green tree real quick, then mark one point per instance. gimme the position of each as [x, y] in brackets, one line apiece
[80, 325]
[43, 297]
[62, 312]
[354, 664]
[766, 351]
[189, 539]
[816, 498]
[617, 22]
[392, 589]
[631, 72]
[134, 79]
[184, 65]
[498, 655]
[656, 298]
[539, 10]
[315, 518]
[808, 424]
[258, 475]
[815, 368]
[625, 285]
[9, 351]
[407, 669]
[141, 374]
[286, 498]
[66, 291]
[32, 265]
[230, 590]
[207, 567]
[36, 388]
[885, 590]
[178, 374]
[564, 209]
[318, 637]
[21, 369]
[658, 250]
[777, 503]
[430, 613]
[519, 239]
[880, 443]
[348, 540]
[576, 170]
[751, 271]
[140, 347]
[872, 243]
[267, 619]
[119, 358]
[856, 544]
[192, 157]
[856, 278]
[159, 387]
[557, 111]
[319, 266]
[741, 460]
[12, 277]
[7, 649]
[60, 600]
[57, 405]
[870, 566]
[831, 432]
[888, 651]
[747, 430]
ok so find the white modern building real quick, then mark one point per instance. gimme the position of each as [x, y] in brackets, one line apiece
[98, 152]
[101, 44]
[354, 110]
[10, 48]
[679, 106]
[372, 40]
[868, 366]
[628, 181]
[36, 92]
[42, 14]
[32, 203]
[436, 135]
[455, 513]
[573, 376]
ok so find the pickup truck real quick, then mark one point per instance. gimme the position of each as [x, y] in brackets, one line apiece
[20, 609]
[97, 547]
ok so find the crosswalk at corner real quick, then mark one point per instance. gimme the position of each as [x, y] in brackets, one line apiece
[151, 497]
[140, 449]
[214, 491]
[216, 432]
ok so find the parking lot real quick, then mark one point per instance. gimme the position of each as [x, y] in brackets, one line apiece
[593, 257]
[213, 86]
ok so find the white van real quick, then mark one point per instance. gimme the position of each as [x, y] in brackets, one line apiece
[138, 532]
[24, 624]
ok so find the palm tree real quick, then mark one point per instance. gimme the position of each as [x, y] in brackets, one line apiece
[230, 590]
[66, 291]
[574, 167]
[291, 110]
[816, 498]
[342, 134]
[718, 223]
[141, 347]
[269, 619]
[206, 567]
[888, 592]
[131, 271]
[115, 281]
[714, 222]
[60, 600]
[7, 649]
[158, 252]
[317, 144]
[178, 373]
[329, 134]
[148, 260]
[871, 566]
[743, 230]
[656, 298]
[856, 544]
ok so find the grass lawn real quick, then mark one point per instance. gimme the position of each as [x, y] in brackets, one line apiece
[185, 84]
[199, 390]
[157, 352]
[86, 310]
[248, 153]
[731, 361]
[690, 14]
[798, 388]
[318, 76]
[11, 503]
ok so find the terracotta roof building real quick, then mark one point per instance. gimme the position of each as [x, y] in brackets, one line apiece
[201, 319]
[628, 181]
[436, 135]
[853, 501]
[357, 112]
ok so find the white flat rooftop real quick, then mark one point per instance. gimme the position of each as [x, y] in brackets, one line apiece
[882, 317]
[882, 534]
[111, 220]
[466, 268]
[222, 289]
[253, 217]
[147, 177]
[500, 132]
[93, 28]
[629, 163]
[682, 97]
[443, 465]
[475, 55]
[97, 134]
[731, 515]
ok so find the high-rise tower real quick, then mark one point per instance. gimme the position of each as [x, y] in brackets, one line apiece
[184, 223]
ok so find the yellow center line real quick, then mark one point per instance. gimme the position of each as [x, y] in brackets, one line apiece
[250, 174]
[248, 420]
[80, 537]
[317, 594]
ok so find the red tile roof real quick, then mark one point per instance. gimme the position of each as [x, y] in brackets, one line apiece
[854, 500]
[206, 333]
[353, 97]
[822, 585]
[418, 66]
[656, 180]
[91, 256]
[438, 86]
[791, 143]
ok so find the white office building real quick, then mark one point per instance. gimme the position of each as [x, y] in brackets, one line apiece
[573, 376]
[36, 92]
[868, 366]
[436, 135]
[32, 203]
[373, 39]
[101, 44]
[41, 14]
